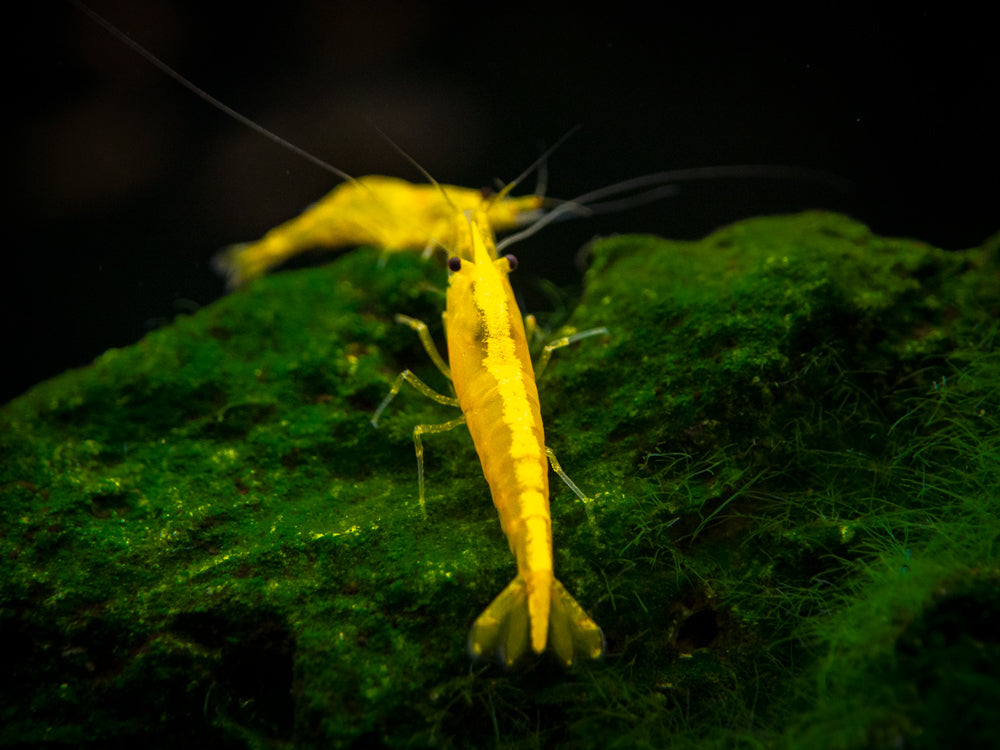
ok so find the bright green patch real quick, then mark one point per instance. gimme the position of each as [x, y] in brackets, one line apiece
[790, 438]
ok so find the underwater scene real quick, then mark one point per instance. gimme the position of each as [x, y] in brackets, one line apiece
[788, 444]
[312, 507]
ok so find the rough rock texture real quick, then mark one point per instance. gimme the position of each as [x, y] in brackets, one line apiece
[790, 439]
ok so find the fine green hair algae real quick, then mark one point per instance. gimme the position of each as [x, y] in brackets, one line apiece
[790, 443]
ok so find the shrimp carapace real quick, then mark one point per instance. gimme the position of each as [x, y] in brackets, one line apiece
[492, 374]
[494, 383]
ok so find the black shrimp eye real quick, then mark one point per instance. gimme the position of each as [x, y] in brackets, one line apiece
[454, 263]
[512, 261]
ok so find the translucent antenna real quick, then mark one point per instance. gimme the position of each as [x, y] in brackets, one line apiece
[536, 163]
[542, 181]
[661, 185]
[563, 210]
[243, 120]
[427, 175]
[713, 173]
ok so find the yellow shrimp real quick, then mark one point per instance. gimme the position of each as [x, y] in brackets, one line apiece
[384, 212]
[491, 369]
[494, 382]
[492, 372]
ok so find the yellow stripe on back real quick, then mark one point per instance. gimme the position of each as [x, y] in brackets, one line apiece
[490, 297]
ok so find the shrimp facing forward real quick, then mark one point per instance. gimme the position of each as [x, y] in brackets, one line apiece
[491, 370]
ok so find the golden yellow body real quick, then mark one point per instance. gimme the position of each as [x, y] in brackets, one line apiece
[384, 212]
[495, 385]
[490, 368]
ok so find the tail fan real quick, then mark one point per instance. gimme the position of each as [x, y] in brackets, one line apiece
[501, 632]
[238, 266]
[571, 631]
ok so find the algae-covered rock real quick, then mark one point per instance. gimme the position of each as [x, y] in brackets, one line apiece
[789, 438]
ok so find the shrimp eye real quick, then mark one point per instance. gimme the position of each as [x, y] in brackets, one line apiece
[512, 261]
[454, 263]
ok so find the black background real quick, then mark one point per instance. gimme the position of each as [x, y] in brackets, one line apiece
[125, 183]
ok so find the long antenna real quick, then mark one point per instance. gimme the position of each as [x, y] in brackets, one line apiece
[661, 184]
[402, 152]
[537, 163]
[243, 120]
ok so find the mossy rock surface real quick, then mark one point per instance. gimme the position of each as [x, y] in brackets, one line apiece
[789, 437]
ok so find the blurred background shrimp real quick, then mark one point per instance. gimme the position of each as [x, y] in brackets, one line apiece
[126, 184]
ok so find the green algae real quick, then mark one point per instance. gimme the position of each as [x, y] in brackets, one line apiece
[789, 438]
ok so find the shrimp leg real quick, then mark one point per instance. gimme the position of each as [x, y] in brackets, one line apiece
[407, 376]
[429, 346]
[429, 429]
[546, 355]
[420, 429]
[419, 385]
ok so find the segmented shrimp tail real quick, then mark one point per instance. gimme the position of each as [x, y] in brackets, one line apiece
[503, 631]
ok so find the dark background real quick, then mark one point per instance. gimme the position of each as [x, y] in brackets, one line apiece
[125, 183]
